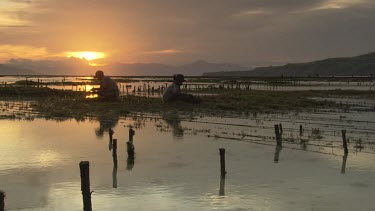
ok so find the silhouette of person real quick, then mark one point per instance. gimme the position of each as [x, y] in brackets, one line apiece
[108, 90]
[173, 91]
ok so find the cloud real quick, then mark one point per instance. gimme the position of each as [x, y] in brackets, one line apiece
[253, 12]
[337, 4]
[88, 55]
[9, 13]
[237, 31]
[19, 51]
[166, 51]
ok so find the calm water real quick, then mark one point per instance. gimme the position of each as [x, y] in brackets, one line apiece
[144, 83]
[177, 163]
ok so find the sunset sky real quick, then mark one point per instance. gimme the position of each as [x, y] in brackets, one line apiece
[179, 31]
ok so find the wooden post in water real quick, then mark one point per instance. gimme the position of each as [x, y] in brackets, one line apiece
[114, 172]
[2, 200]
[278, 136]
[84, 167]
[300, 130]
[344, 141]
[222, 162]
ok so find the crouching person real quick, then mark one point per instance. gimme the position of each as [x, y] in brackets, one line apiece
[173, 92]
[108, 90]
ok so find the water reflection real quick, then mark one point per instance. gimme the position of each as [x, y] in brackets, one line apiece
[110, 143]
[222, 186]
[106, 122]
[131, 156]
[130, 164]
[277, 153]
[131, 150]
[303, 145]
[173, 120]
[343, 166]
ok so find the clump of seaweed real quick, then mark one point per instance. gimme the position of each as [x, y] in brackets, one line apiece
[316, 134]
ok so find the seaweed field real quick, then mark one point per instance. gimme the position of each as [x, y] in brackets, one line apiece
[285, 148]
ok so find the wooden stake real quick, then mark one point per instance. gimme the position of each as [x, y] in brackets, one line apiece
[344, 141]
[278, 136]
[84, 167]
[300, 130]
[114, 172]
[222, 161]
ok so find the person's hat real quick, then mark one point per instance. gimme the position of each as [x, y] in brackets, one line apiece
[99, 74]
[179, 77]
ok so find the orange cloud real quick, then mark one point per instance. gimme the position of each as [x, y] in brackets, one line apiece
[167, 51]
[8, 16]
[22, 51]
[88, 55]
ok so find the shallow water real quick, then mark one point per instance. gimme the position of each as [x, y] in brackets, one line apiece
[144, 84]
[177, 163]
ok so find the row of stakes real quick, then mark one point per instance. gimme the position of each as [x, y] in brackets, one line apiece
[85, 165]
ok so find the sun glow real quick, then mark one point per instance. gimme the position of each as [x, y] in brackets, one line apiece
[88, 55]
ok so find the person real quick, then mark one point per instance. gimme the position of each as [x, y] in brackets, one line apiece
[173, 91]
[108, 90]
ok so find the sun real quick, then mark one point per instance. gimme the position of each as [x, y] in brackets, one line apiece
[88, 55]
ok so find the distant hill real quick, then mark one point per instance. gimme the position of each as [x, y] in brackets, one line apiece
[362, 65]
[9, 70]
[154, 69]
[74, 66]
[67, 66]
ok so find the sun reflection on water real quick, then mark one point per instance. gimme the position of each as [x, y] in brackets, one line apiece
[47, 158]
[92, 96]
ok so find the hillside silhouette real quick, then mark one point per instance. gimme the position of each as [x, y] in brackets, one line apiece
[362, 65]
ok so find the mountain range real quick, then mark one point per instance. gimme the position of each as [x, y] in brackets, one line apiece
[74, 66]
[363, 65]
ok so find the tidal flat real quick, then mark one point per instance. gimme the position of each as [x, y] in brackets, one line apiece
[46, 133]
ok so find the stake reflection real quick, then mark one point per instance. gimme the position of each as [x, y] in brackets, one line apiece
[277, 153]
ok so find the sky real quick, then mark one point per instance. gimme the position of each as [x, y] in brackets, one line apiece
[180, 31]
